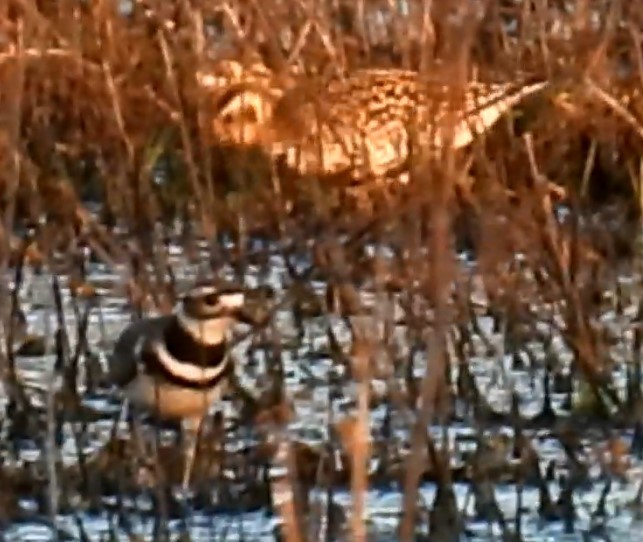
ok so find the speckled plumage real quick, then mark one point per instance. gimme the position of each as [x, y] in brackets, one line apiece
[225, 72]
[365, 124]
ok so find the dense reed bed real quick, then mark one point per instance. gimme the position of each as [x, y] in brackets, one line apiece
[458, 328]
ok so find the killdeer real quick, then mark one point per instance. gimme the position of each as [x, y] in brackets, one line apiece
[365, 124]
[176, 366]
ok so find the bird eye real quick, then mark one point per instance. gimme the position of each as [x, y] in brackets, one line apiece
[211, 299]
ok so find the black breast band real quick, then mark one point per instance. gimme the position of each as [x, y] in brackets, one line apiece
[185, 349]
[155, 367]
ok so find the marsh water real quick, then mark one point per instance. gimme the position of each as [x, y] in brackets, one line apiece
[321, 392]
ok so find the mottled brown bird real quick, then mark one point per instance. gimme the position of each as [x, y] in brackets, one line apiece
[365, 125]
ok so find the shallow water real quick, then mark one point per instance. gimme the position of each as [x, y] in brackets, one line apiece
[308, 371]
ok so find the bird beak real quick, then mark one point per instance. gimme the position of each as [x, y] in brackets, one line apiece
[255, 310]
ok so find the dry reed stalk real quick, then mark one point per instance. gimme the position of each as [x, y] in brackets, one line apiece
[234, 18]
[284, 486]
[433, 381]
[52, 456]
[355, 434]
[203, 198]
[104, 32]
[13, 386]
[11, 103]
[199, 44]
[579, 332]
[637, 38]
[284, 496]
[615, 106]
[270, 34]
[428, 36]
[300, 42]
[38, 53]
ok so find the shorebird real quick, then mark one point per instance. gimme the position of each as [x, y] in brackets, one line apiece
[176, 366]
[365, 125]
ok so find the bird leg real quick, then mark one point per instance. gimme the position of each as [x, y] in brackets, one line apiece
[136, 431]
[128, 414]
[191, 431]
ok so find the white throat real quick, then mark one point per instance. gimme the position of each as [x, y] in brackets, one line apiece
[207, 332]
